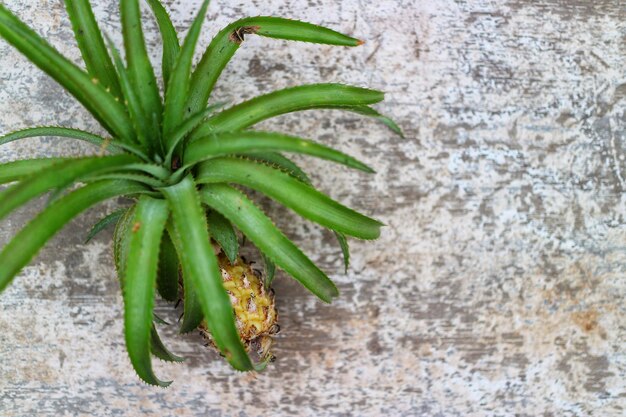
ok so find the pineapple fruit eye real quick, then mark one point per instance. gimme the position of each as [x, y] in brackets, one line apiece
[184, 164]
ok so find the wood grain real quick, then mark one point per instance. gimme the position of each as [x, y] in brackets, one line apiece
[497, 288]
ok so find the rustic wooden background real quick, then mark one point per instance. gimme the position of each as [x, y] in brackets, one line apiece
[497, 288]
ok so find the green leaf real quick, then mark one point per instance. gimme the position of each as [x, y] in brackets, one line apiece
[192, 313]
[253, 223]
[155, 170]
[28, 241]
[158, 320]
[57, 176]
[132, 100]
[301, 198]
[105, 222]
[281, 162]
[63, 132]
[244, 142]
[169, 39]
[185, 128]
[222, 231]
[288, 100]
[159, 350]
[109, 112]
[370, 112]
[270, 271]
[140, 69]
[345, 250]
[190, 223]
[17, 170]
[178, 88]
[91, 44]
[167, 279]
[141, 178]
[121, 239]
[141, 270]
[228, 40]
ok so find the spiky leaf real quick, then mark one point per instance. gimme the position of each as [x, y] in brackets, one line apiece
[345, 250]
[270, 271]
[253, 223]
[57, 176]
[63, 132]
[105, 222]
[27, 242]
[284, 101]
[197, 255]
[301, 198]
[167, 279]
[148, 225]
[178, 87]
[91, 44]
[250, 142]
[222, 231]
[281, 162]
[121, 239]
[228, 40]
[92, 95]
[159, 350]
[192, 313]
[140, 69]
[169, 37]
[17, 170]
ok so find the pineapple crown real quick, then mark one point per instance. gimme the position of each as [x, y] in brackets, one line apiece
[176, 158]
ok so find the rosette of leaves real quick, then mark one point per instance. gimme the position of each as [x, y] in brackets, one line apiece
[177, 159]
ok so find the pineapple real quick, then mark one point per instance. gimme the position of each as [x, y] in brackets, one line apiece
[184, 165]
[254, 307]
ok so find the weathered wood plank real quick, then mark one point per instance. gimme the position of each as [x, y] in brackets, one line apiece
[497, 287]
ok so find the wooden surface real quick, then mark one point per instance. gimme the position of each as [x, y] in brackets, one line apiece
[497, 288]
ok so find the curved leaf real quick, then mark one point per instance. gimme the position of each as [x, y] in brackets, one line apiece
[244, 142]
[17, 170]
[27, 242]
[159, 350]
[109, 112]
[64, 132]
[132, 100]
[222, 231]
[287, 100]
[253, 223]
[345, 250]
[169, 39]
[105, 222]
[91, 44]
[57, 176]
[167, 278]
[227, 41]
[192, 313]
[155, 170]
[141, 178]
[270, 271]
[281, 162]
[185, 128]
[121, 240]
[191, 227]
[370, 112]
[178, 88]
[158, 320]
[140, 69]
[301, 198]
[141, 270]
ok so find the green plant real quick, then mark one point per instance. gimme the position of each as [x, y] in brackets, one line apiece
[176, 157]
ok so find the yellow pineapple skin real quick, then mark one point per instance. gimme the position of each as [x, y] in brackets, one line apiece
[254, 307]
